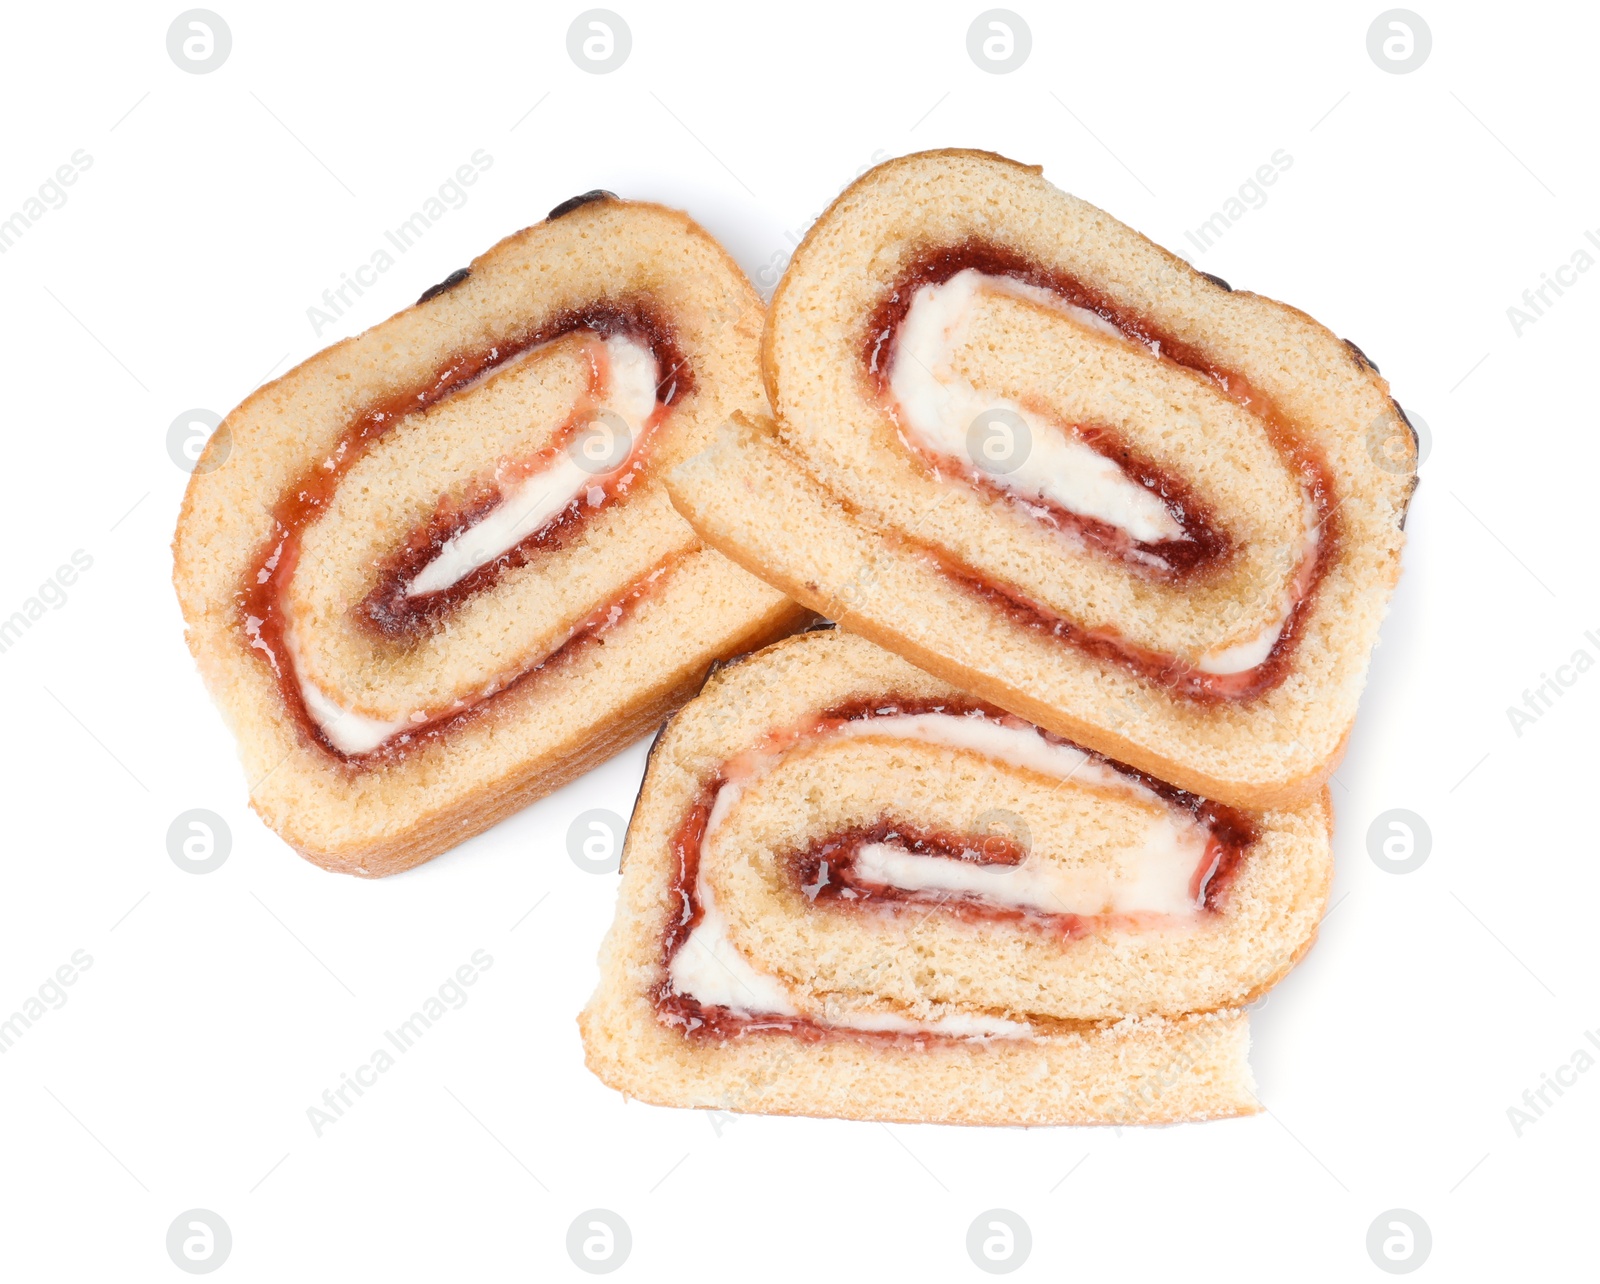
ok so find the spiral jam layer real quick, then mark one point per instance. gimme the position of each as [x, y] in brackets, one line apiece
[1083, 479]
[1169, 869]
[625, 373]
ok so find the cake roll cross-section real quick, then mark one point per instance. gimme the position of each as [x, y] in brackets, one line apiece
[437, 575]
[1031, 451]
[850, 889]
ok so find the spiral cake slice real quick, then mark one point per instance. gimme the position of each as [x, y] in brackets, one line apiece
[1036, 454]
[432, 574]
[850, 889]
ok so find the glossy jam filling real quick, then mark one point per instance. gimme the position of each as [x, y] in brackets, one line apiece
[1166, 671]
[829, 871]
[436, 724]
[395, 608]
[259, 600]
[1203, 546]
[1230, 835]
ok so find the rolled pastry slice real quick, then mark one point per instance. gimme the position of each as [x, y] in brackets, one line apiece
[431, 573]
[849, 889]
[1031, 451]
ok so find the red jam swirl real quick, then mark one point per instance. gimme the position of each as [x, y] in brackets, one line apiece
[391, 611]
[1203, 547]
[826, 871]
[1231, 834]
[1165, 671]
[259, 598]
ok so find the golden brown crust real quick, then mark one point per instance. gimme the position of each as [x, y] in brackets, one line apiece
[332, 363]
[1150, 1073]
[798, 259]
[1019, 700]
[607, 691]
[706, 510]
[1268, 751]
[1101, 1070]
[470, 816]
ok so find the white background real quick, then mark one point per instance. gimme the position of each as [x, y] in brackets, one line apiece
[218, 1008]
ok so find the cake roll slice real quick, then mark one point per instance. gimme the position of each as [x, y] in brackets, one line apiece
[1031, 451]
[850, 889]
[432, 573]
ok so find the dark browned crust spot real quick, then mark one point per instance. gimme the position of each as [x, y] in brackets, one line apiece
[721, 663]
[449, 283]
[717, 666]
[1361, 356]
[649, 758]
[1416, 439]
[1411, 493]
[1217, 281]
[1416, 445]
[583, 198]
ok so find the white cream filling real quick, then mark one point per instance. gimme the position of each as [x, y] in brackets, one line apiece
[346, 730]
[1018, 746]
[939, 407]
[1163, 867]
[631, 395]
[710, 969]
[707, 967]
